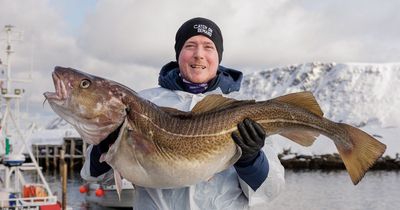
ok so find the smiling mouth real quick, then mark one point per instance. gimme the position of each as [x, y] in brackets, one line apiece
[194, 66]
[60, 93]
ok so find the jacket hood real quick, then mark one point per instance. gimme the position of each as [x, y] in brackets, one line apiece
[227, 79]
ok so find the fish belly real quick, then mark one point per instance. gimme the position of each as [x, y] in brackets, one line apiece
[151, 166]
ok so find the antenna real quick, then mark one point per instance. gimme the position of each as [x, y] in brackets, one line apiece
[10, 36]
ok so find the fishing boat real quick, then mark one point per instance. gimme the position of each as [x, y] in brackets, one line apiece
[16, 191]
[107, 196]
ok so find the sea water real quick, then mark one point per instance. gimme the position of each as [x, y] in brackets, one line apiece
[319, 190]
[308, 190]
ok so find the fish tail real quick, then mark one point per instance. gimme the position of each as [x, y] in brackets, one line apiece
[364, 153]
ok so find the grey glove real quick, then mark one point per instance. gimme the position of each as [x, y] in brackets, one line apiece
[250, 138]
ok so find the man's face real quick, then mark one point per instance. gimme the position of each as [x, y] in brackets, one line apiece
[198, 59]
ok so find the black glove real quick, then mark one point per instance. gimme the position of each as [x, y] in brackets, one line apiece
[97, 168]
[250, 138]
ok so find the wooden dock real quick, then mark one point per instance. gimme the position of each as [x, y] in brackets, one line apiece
[49, 157]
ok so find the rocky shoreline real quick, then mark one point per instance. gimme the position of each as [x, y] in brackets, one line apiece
[331, 162]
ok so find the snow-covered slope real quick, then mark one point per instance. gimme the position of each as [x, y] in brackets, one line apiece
[358, 94]
[54, 133]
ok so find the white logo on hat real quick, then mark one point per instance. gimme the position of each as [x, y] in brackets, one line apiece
[203, 29]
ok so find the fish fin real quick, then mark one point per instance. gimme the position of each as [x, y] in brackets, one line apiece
[304, 138]
[118, 183]
[102, 157]
[304, 99]
[134, 137]
[141, 142]
[218, 102]
[365, 152]
[113, 150]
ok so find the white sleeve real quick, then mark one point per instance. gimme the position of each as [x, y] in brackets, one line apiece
[273, 184]
[106, 178]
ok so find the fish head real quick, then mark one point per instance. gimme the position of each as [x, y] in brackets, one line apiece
[93, 105]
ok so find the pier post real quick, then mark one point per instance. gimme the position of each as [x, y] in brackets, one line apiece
[64, 180]
[72, 154]
[47, 157]
[55, 156]
[84, 148]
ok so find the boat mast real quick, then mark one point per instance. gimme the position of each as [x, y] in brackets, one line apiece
[8, 30]
[12, 115]
[7, 80]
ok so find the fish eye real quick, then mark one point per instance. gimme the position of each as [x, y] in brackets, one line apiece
[85, 83]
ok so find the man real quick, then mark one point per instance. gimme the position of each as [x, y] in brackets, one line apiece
[254, 179]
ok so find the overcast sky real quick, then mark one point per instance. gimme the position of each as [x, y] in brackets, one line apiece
[128, 41]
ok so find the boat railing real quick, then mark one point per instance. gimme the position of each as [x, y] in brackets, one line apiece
[28, 202]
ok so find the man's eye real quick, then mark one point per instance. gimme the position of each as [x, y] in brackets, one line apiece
[210, 47]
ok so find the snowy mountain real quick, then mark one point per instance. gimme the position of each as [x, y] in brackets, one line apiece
[357, 94]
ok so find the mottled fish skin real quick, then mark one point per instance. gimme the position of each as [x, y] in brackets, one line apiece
[166, 148]
[153, 144]
[94, 112]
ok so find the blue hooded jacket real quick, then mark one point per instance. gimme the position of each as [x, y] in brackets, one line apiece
[228, 80]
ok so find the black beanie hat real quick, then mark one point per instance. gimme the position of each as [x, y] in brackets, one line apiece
[199, 26]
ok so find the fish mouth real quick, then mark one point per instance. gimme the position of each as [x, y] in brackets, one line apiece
[61, 92]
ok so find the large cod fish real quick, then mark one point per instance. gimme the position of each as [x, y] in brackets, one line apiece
[165, 148]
